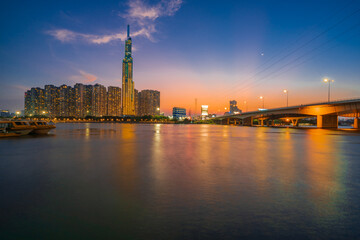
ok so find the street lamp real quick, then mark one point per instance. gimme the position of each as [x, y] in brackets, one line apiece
[262, 98]
[287, 97]
[329, 81]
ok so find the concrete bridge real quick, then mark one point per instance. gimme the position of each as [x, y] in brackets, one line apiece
[326, 113]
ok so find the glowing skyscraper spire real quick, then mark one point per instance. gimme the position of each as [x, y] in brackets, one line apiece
[128, 106]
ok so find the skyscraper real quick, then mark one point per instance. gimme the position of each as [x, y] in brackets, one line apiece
[128, 98]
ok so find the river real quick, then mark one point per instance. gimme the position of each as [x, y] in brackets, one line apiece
[153, 181]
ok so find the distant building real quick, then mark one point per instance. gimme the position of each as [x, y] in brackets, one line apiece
[99, 101]
[80, 91]
[34, 102]
[114, 101]
[204, 111]
[136, 102]
[234, 108]
[179, 113]
[5, 113]
[66, 101]
[52, 98]
[89, 89]
[149, 102]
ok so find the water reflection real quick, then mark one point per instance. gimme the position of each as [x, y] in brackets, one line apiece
[186, 181]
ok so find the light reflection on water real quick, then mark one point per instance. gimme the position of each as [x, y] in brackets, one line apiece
[180, 182]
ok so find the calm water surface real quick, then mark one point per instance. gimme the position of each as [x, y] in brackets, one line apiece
[126, 181]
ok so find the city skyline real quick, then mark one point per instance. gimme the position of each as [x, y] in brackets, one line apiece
[87, 100]
[243, 51]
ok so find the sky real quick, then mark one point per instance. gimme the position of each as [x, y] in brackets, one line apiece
[212, 51]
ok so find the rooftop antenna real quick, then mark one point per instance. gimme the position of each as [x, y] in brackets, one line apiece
[128, 31]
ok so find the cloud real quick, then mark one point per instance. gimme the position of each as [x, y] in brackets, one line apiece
[141, 15]
[84, 77]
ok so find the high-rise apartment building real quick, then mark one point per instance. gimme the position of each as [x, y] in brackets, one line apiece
[89, 89]
[66, 101]
[99, 101]
[52, 98]
[34, 102]
[128, 98]
[136, 102]
[27, 103]
[114, 101]
[149, 102]
[80, 91]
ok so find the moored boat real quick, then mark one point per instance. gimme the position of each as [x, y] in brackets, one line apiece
[4, 133]
[19, 128]
[41, 127]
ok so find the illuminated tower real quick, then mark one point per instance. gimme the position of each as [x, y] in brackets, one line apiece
[128, 98]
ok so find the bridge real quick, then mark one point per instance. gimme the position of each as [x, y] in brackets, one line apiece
[326, 114]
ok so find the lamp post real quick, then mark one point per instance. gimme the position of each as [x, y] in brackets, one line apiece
[262, 98]
[287, 97]
[329, 81]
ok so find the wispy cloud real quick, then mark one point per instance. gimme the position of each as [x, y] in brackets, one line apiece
[83, 77]
[138, 13]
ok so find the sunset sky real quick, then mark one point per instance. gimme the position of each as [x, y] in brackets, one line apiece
[214, 51]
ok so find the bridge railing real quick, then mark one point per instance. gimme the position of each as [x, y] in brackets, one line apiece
[343, 100]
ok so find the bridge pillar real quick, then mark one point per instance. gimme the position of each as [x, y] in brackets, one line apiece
[356, 123]
[228, 121]
[267, 122]
[248, 121]
[295, 122]
[327, 121]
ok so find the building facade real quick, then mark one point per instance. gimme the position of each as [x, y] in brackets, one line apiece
[204, 111]
[114, 101]
[234, 108]
[52, 98]
[149, 102]
[179, 113]
[128, 98]
[35, 102]
[99, 101]
[136, 102]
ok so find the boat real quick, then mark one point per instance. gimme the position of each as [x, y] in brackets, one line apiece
[41, 127]
[4, 133]
[19, 128]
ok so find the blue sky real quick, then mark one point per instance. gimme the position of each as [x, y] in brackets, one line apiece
[210, 50]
